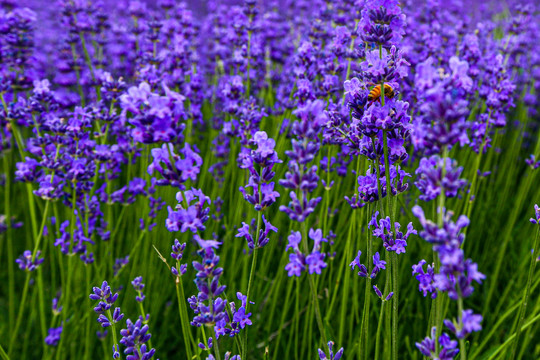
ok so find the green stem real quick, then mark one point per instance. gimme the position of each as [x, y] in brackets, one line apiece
[248, 294]
[527, 291]
[511, 338]
[183, 319]
[393, 255]
[113, 327]
[379, 330]
[462, 348]
[216, 347]
[313, 289]
[3, 353]
[88, 337]
[19, 316]
[9, 235]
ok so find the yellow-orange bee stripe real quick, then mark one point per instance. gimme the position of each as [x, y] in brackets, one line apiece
[375, 93]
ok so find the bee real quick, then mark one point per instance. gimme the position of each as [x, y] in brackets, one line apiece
[375, 93]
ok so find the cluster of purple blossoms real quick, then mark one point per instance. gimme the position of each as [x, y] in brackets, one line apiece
[17, 42]
[134, 338]
[447, 350]
[299, 261]
[379, 120]
[302, 177]
[106, 299]
[442, 120]
[154, 118]
[532, 162]
[332, 356]
[177, 252]
[209, 308]
[378, 265]
[190, 213]
[456, 274]
[430, 181]
[496, 90]
[29, 262]
[368, 189]
[372, 119]
[5, 223]
[139, 287]
[260, 239]
[259, 162]
[382, 23]
[119, 264]
[392, 238]
[174, 169]
[228, 356]
[53, 335]
[426, 279]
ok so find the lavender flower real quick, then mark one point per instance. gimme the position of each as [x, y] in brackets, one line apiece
[426, 280]
[119, 264]
[336, 356]
[177, 254]
[430, 181]
[138, 286]
[53, 336]
[106, 299]
[190, 213]
[174, 169]
[455, 275]
[134, 338]
[382, 22]
[448, 349]
[392, 238]
[209, 308]
[28, 262]
[298, 261]
[264, 157]
[378, 265]
[260, 239]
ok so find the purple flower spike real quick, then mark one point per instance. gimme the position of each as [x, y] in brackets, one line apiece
[336, 356]
[138, 286]
[430, 179]
[448, 349]
[27, 262]
[313, 261]
[53, 336]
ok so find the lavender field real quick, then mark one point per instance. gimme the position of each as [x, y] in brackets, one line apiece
[279, 179]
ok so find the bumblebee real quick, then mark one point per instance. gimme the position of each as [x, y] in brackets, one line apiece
[375, 93]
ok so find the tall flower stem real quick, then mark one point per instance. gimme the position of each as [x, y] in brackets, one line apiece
[251, 276]
[346, 282]
[9, 233]
[313, 288]
[462, 348]
[113, 327]
[379, 330]
[440, 221]
[527, 292]
[367, 294]
[3, 354]
[518, 204]
[183, 317]
[393, 255]
[19, 316]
